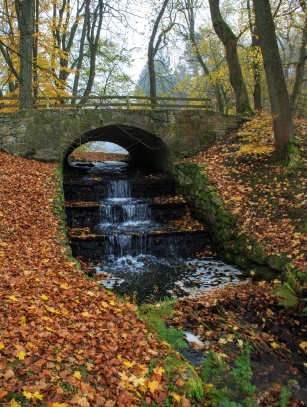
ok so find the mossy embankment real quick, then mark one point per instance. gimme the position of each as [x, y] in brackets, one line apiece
[254, 205]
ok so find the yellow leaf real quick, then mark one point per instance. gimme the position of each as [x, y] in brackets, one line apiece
[112, 302]
[119, 356]
[222, 341]
[13, 298]
[13, 403]
[21, 355]
[64, 311]
[166, 344]
[175, 396]
[23, 321]
[30, 345]
[123, 376]
[77, 374]
[159, 370]
[44, 297]
[59, 405]
[27, 395]
[103, 305]
[153, 386]
[137, 381]
[276, 281]
[91, 294]
[65, 286]
[2, 345]
[37, 395]
[274, 345]
[53, 310]
[128, 364]
[240, 343]
[86, 314]
[303, 345]
[220, 356]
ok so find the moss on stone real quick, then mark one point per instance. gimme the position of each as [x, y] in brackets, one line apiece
[176, 369]
[233, 247]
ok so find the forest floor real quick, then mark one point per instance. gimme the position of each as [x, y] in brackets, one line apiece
[271, 207]
[66, 341]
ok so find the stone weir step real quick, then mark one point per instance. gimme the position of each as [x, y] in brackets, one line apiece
[161, 243]
[96, 189]
[88, 214]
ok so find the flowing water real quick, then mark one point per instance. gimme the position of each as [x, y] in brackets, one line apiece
[135, 251]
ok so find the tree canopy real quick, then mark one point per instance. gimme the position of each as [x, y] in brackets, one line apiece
[194, 48]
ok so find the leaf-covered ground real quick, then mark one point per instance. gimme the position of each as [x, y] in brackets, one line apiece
[270, 205]
[227, 318]
[63, 339]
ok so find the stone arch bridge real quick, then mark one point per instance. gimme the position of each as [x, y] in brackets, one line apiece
[155, 138]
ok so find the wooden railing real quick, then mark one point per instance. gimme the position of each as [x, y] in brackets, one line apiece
[105, 102]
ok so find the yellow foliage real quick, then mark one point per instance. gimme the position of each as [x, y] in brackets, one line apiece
[153, 386]
[255, 150]
[13, 403]
[21, 355]
[77, 374]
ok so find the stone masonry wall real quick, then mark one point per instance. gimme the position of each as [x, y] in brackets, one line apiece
[228, 241]
[46, 135]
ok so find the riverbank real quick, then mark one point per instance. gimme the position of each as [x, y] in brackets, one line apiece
[64, 340]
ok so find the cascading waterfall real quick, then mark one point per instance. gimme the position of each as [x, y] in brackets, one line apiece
[135, 240]
[119, 189]
[118, 212]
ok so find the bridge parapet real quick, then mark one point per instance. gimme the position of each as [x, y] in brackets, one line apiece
[160, 135]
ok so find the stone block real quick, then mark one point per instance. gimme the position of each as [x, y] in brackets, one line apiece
[46, 154]
[5, 130]
[195, 120]
[16, 148]
[21, 130]
[8, 139]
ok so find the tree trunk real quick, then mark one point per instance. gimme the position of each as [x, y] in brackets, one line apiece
[94, 25]
[151, 53]
[255, 61]
[190, 19]
[81, 52]
[300, 67]
[35, 53]
[278, 93]
[229, 41]
[25, 17]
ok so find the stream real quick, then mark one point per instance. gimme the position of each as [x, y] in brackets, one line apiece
[131, 226]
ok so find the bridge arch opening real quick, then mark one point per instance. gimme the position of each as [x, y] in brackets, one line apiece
[145, 149]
